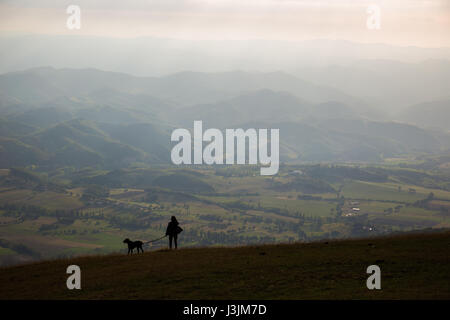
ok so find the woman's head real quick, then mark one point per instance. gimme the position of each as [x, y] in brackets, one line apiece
[173, 219]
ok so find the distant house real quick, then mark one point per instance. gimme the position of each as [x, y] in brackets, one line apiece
[348, 214]
[356, 209]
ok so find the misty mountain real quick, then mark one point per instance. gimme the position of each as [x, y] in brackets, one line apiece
[261, 105]
[195, 87]
[144, 136]
[10, 128]
[384, 76]
[429, 114]
[389, 85]
[69, 87]
[146, 56]
[14, 152]
[350, 140]
[79, 143]
[102, 119]
[335, 109]
[59, 87]
[42, 117]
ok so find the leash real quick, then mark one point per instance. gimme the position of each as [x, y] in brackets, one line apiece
[155, 240]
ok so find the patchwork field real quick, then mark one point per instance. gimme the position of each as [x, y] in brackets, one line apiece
[97, 210]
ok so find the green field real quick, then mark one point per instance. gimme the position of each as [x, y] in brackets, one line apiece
[93, 214]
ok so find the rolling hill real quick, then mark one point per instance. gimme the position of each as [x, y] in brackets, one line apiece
[41, 85]
[260, 105]
[88, 117]
[428, 114]
[79, 143]
[390, 85]
[413, 266]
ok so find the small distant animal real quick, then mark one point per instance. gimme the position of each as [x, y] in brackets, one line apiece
[133, 244]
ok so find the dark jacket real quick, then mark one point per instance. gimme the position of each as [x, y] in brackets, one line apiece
[173, 229]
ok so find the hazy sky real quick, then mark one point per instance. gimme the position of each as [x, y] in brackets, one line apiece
[423, 23]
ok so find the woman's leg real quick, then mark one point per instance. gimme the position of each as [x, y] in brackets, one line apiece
[170, 241]
[175, 239]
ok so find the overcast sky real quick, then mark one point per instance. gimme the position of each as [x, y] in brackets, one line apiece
[424, 23]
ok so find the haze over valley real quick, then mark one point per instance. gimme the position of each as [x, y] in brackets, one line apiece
[86, 117]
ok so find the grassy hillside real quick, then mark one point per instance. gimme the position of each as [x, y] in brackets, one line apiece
[413, 266]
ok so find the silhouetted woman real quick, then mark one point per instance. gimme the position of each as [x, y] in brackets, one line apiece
[173, 229]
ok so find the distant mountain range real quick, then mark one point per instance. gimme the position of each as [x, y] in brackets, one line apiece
[50, 86]
[434, 114]
[87, 117]
[158, 56]
[387, 85]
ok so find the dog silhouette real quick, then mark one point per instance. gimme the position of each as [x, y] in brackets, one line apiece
[133, 244]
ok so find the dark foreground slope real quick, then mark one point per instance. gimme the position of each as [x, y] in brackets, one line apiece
[413, 266]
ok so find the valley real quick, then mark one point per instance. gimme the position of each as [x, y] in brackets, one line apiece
[73, 212]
